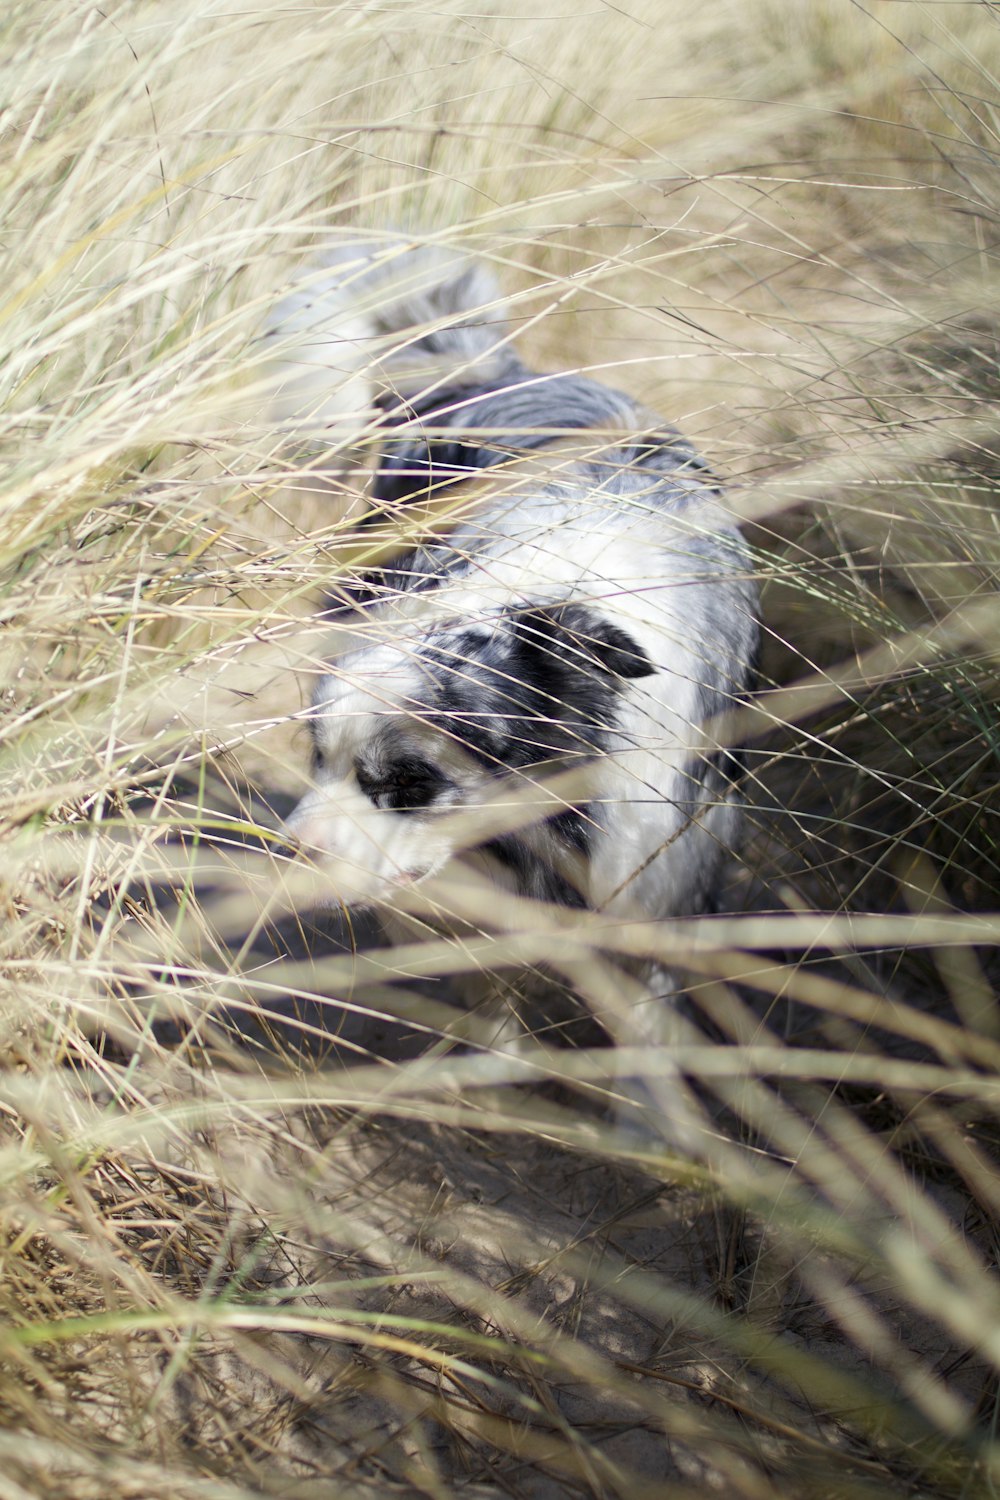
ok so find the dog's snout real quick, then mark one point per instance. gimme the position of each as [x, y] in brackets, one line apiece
[305, 829]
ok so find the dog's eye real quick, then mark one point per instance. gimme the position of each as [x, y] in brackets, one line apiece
[404, 786]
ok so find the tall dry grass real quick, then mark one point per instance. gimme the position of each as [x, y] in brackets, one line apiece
[263, 1232]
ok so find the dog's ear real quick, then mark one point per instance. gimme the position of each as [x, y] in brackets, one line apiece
[579, 636]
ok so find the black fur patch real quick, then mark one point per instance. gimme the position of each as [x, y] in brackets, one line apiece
[527, 412]
[416, 462]
[403, 784]
[534, 878]
[582, 638]
[575, 827]
[542, 686]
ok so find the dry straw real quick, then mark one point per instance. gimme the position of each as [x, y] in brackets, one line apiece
[267, 1228]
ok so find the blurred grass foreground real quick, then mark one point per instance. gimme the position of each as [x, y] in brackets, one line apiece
[263, 1232]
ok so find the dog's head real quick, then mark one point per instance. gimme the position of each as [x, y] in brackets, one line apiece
[409, 730]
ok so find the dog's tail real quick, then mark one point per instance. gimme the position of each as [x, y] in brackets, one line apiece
[387, 319]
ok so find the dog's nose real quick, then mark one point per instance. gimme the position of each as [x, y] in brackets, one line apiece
[305, 829]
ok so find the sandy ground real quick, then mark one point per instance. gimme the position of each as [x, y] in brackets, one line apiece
[579, 1308]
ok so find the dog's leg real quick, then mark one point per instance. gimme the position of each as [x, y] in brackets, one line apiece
[652, 1104]
[655, 1105]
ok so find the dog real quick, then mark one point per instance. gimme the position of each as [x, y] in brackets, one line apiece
[545, 685]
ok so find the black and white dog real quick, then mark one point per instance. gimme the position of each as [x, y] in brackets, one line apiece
[582, 617]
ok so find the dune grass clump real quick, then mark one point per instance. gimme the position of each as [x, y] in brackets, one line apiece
[264, 1229]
